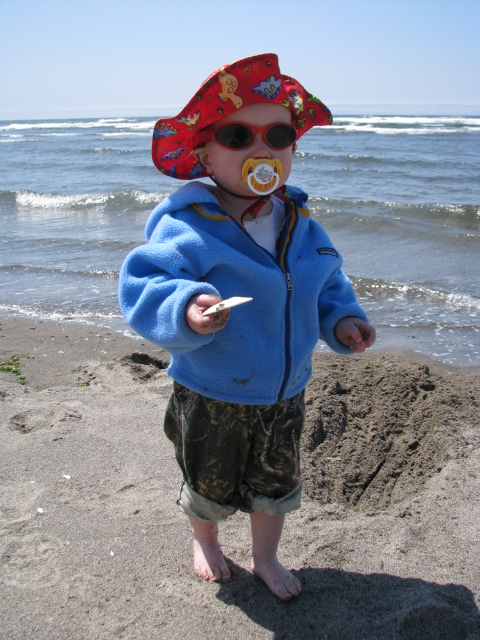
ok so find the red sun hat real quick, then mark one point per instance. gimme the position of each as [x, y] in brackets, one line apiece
[254, 80]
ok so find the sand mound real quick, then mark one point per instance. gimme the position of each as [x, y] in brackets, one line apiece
[378, 428]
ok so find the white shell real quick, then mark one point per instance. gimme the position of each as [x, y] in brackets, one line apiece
[226, 304]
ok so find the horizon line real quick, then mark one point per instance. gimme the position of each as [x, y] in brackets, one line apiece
[346, 108]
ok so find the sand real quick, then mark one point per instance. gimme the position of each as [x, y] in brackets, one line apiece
[92, 544]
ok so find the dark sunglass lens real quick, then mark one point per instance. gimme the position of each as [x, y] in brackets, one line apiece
[281, 135]
[233, 136]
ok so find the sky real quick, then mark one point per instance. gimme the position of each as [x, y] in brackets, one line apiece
[84, 58]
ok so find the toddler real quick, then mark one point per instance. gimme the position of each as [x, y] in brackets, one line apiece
[237, 409]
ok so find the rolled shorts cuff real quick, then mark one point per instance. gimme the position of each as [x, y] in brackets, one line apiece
[270, 506]
[197, 506]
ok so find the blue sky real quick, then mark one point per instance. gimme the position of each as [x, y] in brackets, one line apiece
[69, 58]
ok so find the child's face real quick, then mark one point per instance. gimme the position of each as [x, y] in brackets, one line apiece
[225, 165]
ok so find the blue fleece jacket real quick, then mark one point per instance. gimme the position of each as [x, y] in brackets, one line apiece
[263, 354]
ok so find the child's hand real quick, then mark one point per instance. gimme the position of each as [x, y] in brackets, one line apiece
[355, 333]
[205, 324]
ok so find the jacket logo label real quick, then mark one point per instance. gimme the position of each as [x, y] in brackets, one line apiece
[327, 251]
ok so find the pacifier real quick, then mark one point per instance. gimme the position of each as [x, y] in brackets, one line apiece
[262, 176]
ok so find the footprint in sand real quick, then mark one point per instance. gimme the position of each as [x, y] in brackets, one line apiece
[18, 501]
[144, 367]
[31, 562]
[45, 416]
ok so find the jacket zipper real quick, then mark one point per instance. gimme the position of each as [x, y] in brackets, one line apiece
[288, 361]
[288, 280]
[289, 224]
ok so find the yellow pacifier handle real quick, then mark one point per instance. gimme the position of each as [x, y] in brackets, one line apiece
[262, 175]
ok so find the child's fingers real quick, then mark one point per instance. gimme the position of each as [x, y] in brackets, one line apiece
[218, 320]
[369, 335]
[362, 336]
[366, 333]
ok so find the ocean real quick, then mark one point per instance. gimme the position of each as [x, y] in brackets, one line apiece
[399, 196]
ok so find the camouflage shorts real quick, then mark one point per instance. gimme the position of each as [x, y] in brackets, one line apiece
[235, 456]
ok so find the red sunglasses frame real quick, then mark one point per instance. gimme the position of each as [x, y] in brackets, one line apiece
[209, 134]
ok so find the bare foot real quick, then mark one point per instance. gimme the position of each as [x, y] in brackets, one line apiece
[208, 561]
[281, 582]
[266, 532]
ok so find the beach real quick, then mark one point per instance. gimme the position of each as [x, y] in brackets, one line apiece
[93, 544]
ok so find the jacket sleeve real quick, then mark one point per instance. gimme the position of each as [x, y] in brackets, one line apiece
[337, 301]
[156, 282]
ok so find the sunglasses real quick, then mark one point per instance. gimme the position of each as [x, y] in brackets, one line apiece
[238, 135]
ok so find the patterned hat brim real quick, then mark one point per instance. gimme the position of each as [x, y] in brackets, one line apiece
[253, 80]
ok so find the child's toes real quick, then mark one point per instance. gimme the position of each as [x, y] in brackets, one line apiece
[225, 573]
[294, 586]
